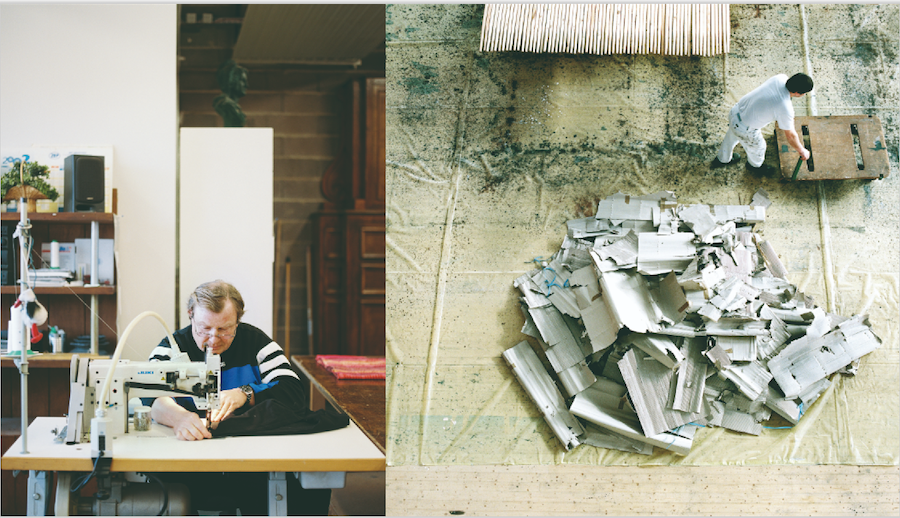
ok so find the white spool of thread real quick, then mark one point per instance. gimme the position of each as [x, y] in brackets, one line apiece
[54, 255]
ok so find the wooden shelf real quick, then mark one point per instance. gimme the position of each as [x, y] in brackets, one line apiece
[50, 360]
[62, 217]
[62, 290]
[221, 22]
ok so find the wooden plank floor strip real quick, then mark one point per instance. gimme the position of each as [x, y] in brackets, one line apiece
[628, 490]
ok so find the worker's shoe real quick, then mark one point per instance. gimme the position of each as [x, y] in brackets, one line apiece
[763, 170]
[735, 158]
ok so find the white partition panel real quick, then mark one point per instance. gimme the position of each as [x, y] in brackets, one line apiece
[226, 216]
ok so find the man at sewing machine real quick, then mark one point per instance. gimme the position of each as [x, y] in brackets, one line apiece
[254, 370]
[255, 367]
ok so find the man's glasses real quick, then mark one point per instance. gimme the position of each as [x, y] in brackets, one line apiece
[211, 333]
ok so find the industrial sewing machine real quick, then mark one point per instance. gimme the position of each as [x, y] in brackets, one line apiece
[91, 377]
[99, 412]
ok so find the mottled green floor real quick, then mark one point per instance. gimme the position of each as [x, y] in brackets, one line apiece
[489, 154]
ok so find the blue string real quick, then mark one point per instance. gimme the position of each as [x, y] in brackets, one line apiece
[671, 443]
[768, 427]
[552, 283]
[675, 432]
[800, 407]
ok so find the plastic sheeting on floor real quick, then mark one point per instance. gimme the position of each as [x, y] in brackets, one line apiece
[488, 155]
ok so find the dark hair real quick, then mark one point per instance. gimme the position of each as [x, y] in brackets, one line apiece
[212, 296]
[799, 84]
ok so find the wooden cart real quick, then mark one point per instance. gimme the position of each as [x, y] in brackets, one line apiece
[842, 147]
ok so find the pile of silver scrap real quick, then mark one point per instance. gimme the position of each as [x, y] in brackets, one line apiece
[657, 318]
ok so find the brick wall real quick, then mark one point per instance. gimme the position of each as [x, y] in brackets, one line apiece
[304, 108]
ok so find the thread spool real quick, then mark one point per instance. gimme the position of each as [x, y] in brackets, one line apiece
[54, 255]
[142, 419]
[57, 339]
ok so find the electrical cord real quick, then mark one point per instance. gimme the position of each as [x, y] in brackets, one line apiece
[165, 505]
[84, 478]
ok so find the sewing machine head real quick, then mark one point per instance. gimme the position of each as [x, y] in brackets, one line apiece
[176, 378]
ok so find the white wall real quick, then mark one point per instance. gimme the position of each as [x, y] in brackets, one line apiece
[105, 75]
[226, 216]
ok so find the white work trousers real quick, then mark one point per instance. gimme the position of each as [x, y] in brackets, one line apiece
[750, 138]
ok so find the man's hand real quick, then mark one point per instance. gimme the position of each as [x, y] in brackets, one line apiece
[191, 428]
[795, 142]
[229, 401]
[187, 425]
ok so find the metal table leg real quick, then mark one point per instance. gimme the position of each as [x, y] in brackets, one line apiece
[308, 480]
[277, 494]
[63, 483]
[38, 492]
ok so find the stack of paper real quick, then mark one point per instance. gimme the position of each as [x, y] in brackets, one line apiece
[47, 277]
[661, 318]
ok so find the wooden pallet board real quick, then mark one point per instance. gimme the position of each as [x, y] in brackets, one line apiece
[838, 144]
[573, 489]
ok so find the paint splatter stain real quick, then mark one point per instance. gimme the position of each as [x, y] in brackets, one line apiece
[421, 85]
[426, 71]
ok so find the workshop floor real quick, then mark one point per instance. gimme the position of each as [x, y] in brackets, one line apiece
[362, 495]
[489, 154]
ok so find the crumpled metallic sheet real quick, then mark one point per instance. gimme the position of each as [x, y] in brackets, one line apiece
[488, 155]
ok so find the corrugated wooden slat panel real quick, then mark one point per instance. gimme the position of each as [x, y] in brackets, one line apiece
[669, 29]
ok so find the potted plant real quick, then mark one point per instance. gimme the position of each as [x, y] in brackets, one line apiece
[27, 180]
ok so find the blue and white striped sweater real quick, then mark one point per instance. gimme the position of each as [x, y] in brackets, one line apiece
[252, 359]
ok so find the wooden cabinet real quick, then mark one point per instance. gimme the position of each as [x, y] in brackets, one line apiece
[348, 280]
[373, 190]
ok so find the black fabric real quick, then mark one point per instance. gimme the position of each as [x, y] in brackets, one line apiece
[281, 409]
[272, 417]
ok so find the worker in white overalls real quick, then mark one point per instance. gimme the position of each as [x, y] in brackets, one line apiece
[771, 101]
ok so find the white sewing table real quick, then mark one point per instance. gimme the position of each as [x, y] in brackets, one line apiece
[319, 459]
